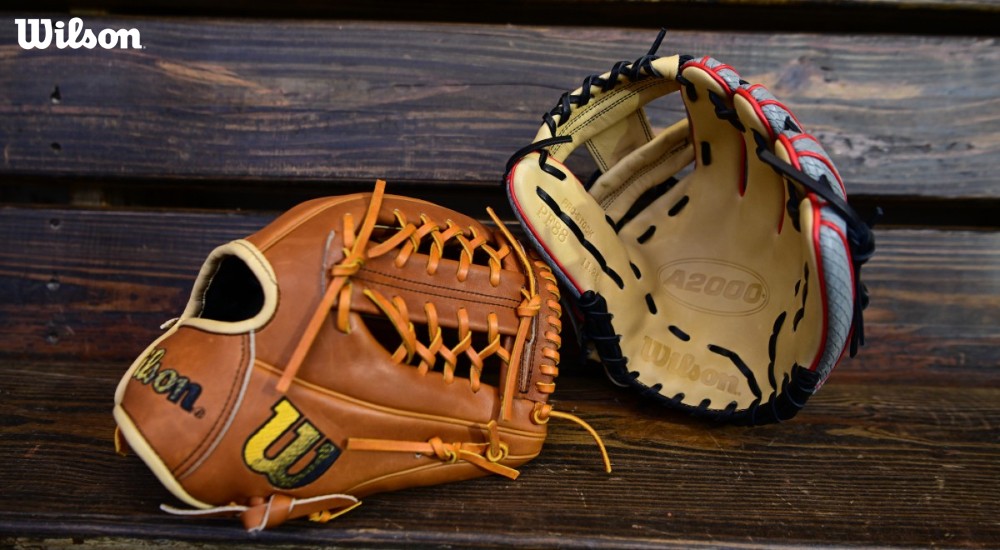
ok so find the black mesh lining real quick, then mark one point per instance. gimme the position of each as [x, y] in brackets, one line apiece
[234, 293]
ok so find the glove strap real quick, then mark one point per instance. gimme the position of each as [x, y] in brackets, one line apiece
[486, 456]
[860, 238]
[342, 272]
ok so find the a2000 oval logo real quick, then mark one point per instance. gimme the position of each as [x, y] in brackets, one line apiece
[715, 286]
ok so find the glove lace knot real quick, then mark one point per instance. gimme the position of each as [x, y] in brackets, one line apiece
[430, 240]
[353, 260]
[487, 455]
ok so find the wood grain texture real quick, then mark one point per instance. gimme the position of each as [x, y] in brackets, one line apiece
[308, 101]
[71, 278]
[901, 447]
[294, 7]
[911, 16]
[865, 464]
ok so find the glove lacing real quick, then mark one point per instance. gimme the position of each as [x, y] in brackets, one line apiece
[634, 71]
[261, 513]
[407, 240]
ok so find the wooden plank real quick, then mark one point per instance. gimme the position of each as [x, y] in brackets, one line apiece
[863, 464]
[899, 448]
[295, 7]
[911, 16]
[311, 102]
[71, 278]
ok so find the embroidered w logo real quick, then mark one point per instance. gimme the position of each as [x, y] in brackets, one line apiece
[277, 465]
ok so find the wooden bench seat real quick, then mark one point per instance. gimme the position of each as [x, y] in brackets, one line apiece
[114, 188]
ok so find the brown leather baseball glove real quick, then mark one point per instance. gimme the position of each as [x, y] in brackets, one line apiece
[357, 344]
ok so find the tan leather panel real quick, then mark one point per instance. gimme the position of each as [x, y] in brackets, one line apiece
[618, 188]
[226, 479]
[706, 251]
[623, 137]
[553, 234]
[183, 390]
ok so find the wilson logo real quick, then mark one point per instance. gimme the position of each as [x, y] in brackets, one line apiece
[659, 354]
[40, 34]
[278, 463]
[178, 389]
[714, 286]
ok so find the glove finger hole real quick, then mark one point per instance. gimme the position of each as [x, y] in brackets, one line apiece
[234, 293]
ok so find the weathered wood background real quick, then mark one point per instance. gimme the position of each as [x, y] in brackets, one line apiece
[121, 170]
[966, 17]
[444, 104]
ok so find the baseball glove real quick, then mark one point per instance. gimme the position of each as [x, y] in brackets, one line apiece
[729, 288]
[357, 344]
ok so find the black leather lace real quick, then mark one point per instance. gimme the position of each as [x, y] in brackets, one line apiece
[860, 238]
[634, 71]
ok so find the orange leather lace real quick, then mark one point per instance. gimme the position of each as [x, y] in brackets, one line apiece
[260, 513]
[484, 455]
[406, 241]
[341, 273]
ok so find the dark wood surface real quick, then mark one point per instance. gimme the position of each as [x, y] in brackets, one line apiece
[114, 189]
[304, 103]
[910, 16]
[71, 277]
[894, 463]
[893, 450]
